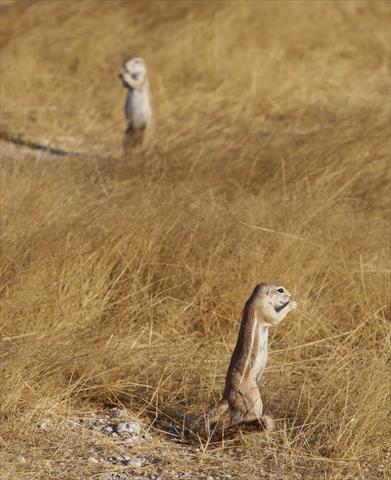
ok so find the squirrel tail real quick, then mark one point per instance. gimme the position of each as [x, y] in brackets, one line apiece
[210, 418]
[213, 415]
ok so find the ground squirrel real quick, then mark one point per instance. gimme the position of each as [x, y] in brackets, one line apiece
[267, 306]
[138, 110]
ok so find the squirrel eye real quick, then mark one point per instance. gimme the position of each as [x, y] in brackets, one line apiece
[280, 290]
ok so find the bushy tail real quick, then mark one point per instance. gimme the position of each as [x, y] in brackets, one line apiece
[214, 414]
[206, 421]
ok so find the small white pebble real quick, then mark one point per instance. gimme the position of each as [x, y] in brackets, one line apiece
[135, 462]
[93, 460]
[21, 459]
[129, 427]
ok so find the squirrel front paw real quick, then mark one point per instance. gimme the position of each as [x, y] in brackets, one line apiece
[292, 305]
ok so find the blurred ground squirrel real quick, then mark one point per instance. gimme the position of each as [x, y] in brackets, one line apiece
[138, 110]
[267, 306]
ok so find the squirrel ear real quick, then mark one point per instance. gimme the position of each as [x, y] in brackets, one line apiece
[267, 290]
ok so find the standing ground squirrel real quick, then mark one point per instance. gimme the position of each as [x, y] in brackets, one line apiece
[267, 306]
[138, 110]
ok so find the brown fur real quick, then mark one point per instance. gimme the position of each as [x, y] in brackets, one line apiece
[241, 395]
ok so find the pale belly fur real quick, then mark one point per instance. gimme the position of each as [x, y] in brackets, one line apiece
[259, 354]
[138, 107]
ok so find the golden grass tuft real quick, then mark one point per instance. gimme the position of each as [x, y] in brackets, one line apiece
[123, 280]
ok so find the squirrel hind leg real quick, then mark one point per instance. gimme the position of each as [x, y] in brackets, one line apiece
[212, 416]
[265, 421]
[133, 138]
[215, 413]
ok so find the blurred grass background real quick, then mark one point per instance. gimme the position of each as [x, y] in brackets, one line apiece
[123, 279]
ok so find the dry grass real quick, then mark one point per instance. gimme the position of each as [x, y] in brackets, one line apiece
[123, 279]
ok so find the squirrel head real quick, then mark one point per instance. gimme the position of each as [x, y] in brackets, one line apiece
[134, 74]
[273, 302]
